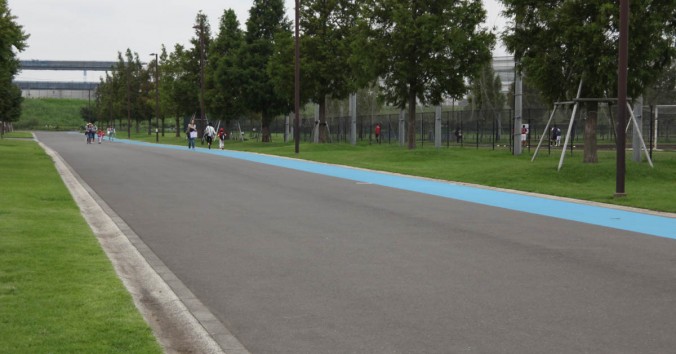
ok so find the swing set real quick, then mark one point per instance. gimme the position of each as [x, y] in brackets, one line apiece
[576, 102]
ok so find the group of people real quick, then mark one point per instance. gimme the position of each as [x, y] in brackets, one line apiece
[93, 133]
[209, 135]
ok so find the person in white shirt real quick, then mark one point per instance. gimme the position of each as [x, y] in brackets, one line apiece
[191, 131]
[209, 134]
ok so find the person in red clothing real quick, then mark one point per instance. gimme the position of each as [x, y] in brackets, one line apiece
[377, 133]
[100, 134]
[221, 138]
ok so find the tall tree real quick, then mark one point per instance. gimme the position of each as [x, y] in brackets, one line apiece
[224, 77]
[132, 90]
[201, 43]
[266, 20]
[560, 43]
[486, 95]
[164, 96]
[12, 40]
[326, 46]
[180, 78]
[486, 89]
[423, 50]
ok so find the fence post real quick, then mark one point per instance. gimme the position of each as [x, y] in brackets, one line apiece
[402, 128]
[437, 127]
[353, 119]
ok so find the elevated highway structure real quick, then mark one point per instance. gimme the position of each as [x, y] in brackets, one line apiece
[61, 89]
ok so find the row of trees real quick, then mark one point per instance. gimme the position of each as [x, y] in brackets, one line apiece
[413, 52]
[12, 40]
[409, 52]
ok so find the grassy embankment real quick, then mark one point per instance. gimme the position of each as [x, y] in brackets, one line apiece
[58, 290]
[51, 114]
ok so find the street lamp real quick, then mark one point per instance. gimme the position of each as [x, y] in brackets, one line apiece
[623, 59]
[296, 122]
[157, 97]
[200, 27]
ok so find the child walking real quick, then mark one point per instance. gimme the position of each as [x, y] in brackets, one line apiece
[221, 138]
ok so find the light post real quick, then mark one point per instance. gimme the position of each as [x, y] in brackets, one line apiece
[157, 97]
[623, 59]
[296, 122]
[200, 27]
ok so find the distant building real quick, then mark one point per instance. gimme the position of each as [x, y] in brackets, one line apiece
[45, 89]
[504, 67]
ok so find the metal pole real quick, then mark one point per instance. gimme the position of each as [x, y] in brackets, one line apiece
[637, 134]
[437, 127]
[200, 129]
[128, 101]
[622, 98]
[651, 131]
[570, 127]
[296, 122]
[518, 95]
[157, 97]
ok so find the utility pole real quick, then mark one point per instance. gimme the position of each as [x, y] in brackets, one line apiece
[201, 124]
[128, 100]
[157, 97]
[296, 121]
[518, 95]
[622, 98]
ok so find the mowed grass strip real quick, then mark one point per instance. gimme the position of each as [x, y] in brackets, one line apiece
[58, 290]
[646, 187]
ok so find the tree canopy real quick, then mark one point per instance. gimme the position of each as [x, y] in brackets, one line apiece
[266, 20]
[223, 75]
[422, 51]
[12, 40]
[560, 43]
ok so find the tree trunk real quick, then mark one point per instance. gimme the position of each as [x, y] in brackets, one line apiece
[265, 128]
[178, 125]
[265, 134]
[322, 130]
[410, 131]
[590, 148]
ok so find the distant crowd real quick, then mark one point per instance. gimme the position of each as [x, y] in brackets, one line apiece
[93, 133]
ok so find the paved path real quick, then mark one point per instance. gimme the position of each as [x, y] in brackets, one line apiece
[342, 260]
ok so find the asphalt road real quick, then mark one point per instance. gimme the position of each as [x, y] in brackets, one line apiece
[294, 262]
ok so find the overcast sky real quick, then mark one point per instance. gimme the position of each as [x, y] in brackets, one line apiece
[99, 29]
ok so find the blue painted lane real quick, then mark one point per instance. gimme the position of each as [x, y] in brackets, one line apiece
[650, 224]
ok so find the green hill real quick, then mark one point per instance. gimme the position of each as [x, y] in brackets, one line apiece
[50, 113]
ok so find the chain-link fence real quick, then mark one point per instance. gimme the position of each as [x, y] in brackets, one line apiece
[467, 127]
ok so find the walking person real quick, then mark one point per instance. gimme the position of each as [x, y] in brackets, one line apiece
[558, 136]
[458, 135]
[100, 134]
[191, 132]
[221, 138]
[90, 132]
[209, 134]
[377, 130]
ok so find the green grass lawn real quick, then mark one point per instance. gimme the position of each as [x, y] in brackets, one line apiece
[646, 187]
[51, 114]
[58, 290]
[18, 135]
